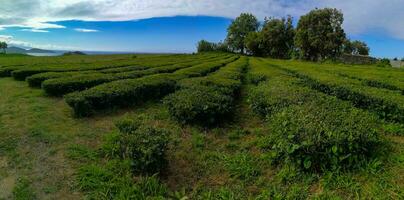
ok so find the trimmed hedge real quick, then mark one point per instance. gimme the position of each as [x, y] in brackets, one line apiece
[145, 146]
[120, 93]
[204, 105]
[37, 79]
[60, 86]
[207, 100]
[23, 72]
[132, 91]
[383, 107]
[276, 94]
[309, 129]
[322, 135]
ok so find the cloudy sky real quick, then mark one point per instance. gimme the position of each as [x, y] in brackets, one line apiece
[176, 25]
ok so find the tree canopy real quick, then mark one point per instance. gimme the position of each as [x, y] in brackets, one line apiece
[3, 45]
[278, 37]
[206, 46]
[319, 34]
[239, 29]
[254, 44]
[356, 47]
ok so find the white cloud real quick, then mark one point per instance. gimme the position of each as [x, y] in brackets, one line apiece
[83, 30]
[11, 41]
[5, 38]
[360, 15]
[35, 30]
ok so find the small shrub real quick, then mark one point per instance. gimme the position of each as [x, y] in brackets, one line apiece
[145, 146]
[204, 105]
[383, 63]
[323, 135]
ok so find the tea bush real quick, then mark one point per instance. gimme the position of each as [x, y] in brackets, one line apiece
[133, 91]
[64, 85]
[384, 103]
[146, 148]
[323, 135]
[202, 105]
[208, 99]
[120, 93]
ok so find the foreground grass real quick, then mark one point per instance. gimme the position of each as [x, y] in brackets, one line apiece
[35, 133]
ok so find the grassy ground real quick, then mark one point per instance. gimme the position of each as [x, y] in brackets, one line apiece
[35, 132]
[44, 152]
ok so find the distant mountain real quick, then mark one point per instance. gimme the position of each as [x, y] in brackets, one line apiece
[36, 50]
[16, 50]
[25, 51]
[70, 53]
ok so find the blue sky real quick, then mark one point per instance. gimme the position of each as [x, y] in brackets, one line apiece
[166, 34]
[177, 25]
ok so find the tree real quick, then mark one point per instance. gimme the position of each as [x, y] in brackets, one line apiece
[3, 45]
[239, 29]
[253, 43]
[360, 48]
[347, 47]
[205, 46]
[319, 34]
[222, 47]
[278, 37]
[355, 47]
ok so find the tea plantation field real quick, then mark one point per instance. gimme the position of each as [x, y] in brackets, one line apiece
[203, 126]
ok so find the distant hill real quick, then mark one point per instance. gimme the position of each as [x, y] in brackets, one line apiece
[19, 50]
[36, 50]
[16, 50]
[74, 53]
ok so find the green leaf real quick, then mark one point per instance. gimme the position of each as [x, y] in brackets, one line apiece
[307, 163]
[334, 149]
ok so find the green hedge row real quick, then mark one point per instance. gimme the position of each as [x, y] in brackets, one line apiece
[309, 129]
[37, 79]
[377, 101]
[207, 100]
[132, 91]
[373, 83]
[64, 85]
[23, 72]
[6, 71]
[322, 135]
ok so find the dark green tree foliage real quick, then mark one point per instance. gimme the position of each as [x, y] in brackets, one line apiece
[356, 48]
[3, 45]
[319, 34]
[278, 37]
[239, 29]
[360, 48]
[253, 43]
[205, 46]
[347, 47]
